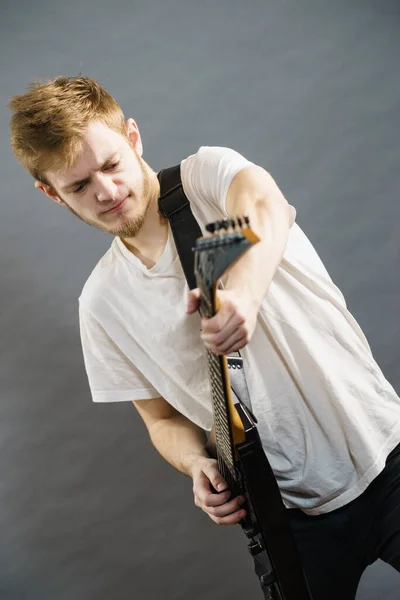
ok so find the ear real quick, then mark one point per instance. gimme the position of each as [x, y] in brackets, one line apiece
[48, 190]
[133, 133]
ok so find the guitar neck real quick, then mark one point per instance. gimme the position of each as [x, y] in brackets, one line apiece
[229, 239]
[221, 399]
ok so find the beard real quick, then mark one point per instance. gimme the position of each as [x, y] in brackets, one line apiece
[128, 227]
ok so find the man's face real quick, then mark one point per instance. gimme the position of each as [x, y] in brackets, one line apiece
[109, 186]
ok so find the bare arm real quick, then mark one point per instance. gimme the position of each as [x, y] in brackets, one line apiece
[177, 439]
[182, 444]
[252, 191]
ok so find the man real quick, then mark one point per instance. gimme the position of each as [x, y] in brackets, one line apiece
[328, 419]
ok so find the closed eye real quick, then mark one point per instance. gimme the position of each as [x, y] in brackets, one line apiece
[112, 166]
[80, 188]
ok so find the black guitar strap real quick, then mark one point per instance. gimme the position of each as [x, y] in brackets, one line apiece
[174, 206]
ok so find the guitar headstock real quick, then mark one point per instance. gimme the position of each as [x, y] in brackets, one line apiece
[227, 241]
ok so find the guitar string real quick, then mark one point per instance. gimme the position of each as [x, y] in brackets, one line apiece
[223, 436]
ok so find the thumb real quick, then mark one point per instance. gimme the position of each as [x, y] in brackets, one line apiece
[214, 476]
[193, 300]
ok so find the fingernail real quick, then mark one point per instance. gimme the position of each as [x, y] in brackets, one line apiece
[220, 487]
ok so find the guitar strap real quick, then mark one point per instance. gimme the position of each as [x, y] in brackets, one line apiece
[174, 206]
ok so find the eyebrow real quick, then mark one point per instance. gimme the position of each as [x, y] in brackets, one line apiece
[78, 182]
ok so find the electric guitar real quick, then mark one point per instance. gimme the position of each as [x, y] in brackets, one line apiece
[241, 458]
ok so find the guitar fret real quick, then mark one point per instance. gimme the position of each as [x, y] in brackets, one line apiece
[223, 437]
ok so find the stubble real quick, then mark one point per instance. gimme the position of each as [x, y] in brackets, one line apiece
[128, 226]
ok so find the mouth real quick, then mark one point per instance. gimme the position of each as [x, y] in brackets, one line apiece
[118, 207]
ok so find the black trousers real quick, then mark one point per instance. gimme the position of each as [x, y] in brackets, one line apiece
[338, 546]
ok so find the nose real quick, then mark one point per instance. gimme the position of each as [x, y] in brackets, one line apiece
[105, 189]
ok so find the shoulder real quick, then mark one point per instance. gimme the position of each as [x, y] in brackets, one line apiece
[210, 157]
[207, 174]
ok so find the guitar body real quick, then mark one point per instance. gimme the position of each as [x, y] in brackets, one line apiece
[272, 544]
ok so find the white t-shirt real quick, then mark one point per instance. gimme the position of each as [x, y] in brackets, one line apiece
[327, 416]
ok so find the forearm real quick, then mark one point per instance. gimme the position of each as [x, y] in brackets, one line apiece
[270, 218]
[179, 441]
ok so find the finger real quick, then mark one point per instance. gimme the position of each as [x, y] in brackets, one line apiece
[223, 323]
[224, 345]
[236, 341]
[210, 500]
[214, 477]
[231, 519]
[213, 336]
[225, 509]
[193, 300]
[204, 491]
[223, 316]
[241, 344]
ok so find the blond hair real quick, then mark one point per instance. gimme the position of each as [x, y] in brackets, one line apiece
[50, 120]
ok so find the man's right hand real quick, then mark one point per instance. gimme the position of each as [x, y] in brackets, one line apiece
[182, 443]
[211, 493]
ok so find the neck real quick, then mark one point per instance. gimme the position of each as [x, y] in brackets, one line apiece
[149, 243]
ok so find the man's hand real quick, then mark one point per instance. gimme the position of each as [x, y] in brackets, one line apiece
[233, 325]
[219, 506]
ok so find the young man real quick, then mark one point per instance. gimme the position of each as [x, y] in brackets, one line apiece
[328, 419]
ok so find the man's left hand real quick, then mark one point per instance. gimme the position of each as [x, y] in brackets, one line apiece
[233, 326]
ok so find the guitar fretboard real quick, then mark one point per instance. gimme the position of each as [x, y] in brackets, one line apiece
[218, 383]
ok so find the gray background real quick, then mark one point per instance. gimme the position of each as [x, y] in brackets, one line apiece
[308, 88]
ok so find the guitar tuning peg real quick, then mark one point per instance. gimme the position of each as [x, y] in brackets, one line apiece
[239, 221]
[224, 223]
[246, 220]
[232, 223]
[210, 227]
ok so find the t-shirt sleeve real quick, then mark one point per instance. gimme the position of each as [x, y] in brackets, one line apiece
[208, 174]
[112, 376]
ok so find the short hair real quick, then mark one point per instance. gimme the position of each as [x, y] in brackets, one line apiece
[50, 120]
